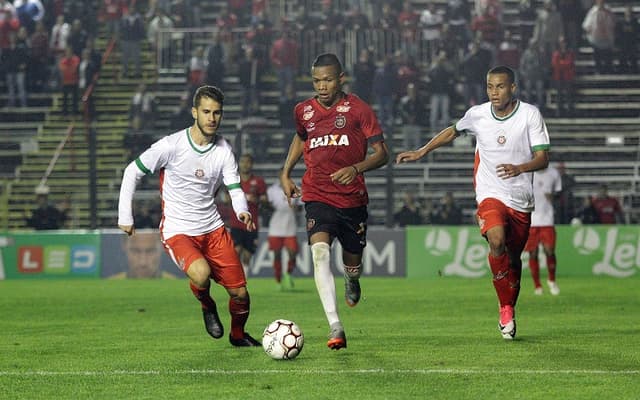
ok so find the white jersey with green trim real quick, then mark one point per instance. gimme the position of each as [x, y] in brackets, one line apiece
[504, 140]
[546, 183]
[190, 176]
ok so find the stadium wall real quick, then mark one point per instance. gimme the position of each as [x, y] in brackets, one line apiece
[414, 252]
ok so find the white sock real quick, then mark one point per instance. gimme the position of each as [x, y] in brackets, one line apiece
[321, 254]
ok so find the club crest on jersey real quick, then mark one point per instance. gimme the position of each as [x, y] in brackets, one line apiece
[341, 121]
[502, 139]
[311, 127]
[329, 140]
[199, 173]
[307, 113]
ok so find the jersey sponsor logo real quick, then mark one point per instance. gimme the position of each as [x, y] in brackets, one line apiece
[311, 127]
[341, 121]
[329, 140]
[502, 139]
[199, 173]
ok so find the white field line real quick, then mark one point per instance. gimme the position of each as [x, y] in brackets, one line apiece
[321, 372]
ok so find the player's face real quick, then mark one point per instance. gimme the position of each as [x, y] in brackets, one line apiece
[208, 115]
[500, 91]
[327, 83]
[143, 255]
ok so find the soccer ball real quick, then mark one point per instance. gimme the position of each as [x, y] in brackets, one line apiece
[282, 340]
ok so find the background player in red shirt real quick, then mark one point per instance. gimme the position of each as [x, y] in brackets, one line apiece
[333, 132]
[607, 208]
[255, 190]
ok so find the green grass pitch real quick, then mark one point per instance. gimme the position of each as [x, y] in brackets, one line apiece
[407, 339]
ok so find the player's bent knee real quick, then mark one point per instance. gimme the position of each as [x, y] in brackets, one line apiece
[321, 253]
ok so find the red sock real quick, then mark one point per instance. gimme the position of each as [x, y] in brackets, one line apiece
[291, 265]
[239, 311]
[277, 269]
[534, 266]
[500, 269]
[551, 267]
[203, 296]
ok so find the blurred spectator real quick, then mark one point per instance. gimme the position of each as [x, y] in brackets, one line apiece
[160, 44]
[86, 70]
[458, 16]
[410, 108]
[29, 12]
[409, 213]
[77, 37]
[186, 13]
[384, 89]
[143, 106]
[489, 7]
[572, 13]
[474, 67]
[508, 52]
[548, 27]
[196, 69]
[586, 213]
[182, 116]
[627, 41]
[39, 61]
[226, 18]
[599, 25]
[534, 67]
[407, 72]
[563, 71]
[286, 106]
[440, 79]
[14, 62]
[447, 212]
[59, 37]
[45, 215]
[388, 19]
[250, 73]
[68, 67]
[487, 25]
[408, 20]
[565, 203]
[111, 13]
[216, 58]
[527, 14]
[132, 33]
[607, 207]
[356, 19]
[8, 23]
[284, 60]
[363, 72]
[431, 23]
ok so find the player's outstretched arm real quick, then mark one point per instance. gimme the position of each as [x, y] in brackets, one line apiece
[539, 161]
[290, 189]
[446, 136]
[246, 219]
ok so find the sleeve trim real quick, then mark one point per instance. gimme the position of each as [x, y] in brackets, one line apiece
[142, 168]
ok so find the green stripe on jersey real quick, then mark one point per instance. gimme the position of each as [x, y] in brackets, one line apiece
[540, 147]
[234, 186]
[142, 167]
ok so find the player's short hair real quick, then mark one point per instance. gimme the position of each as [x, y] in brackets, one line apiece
[328, 60]
[502, 69]
[212, 92]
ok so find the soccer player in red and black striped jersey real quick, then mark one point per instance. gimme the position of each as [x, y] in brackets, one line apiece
[334, 131]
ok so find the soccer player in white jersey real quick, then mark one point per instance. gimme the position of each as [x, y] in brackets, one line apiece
[511, 142]
[546, 184]
[193, 164]
[282, 233]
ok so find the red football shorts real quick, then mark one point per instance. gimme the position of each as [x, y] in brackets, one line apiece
[277, 243]
[492, 212]
[216, 248]
[541, 234]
